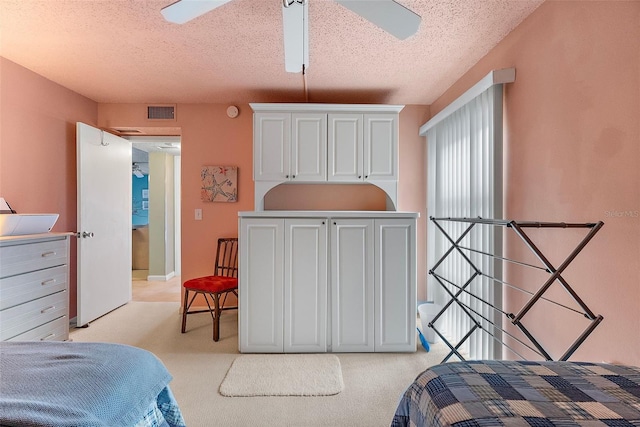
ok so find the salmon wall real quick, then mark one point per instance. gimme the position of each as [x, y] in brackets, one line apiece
[38, 148]
[572, 153]
[209, 137]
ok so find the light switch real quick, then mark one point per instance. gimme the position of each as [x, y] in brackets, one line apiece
[198, 214]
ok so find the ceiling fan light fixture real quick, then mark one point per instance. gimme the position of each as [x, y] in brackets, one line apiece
[287, 3]
[295, 20]
[136, 171]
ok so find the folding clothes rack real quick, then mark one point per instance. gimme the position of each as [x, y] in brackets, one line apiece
[555, 275]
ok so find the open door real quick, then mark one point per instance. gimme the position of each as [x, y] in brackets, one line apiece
[104, 222]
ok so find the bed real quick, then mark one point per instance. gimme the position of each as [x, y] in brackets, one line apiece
[520, 393]
[84, 384]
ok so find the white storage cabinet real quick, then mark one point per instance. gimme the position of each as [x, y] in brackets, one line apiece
[287, 304]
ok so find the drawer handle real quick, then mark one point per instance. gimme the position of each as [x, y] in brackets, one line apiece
[46, 254]
[44, 310]
[50, 336]
[48, 282]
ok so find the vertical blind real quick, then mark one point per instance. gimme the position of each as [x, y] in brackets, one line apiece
[464, 179]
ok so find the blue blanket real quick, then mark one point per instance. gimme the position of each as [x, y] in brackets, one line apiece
[77, 384]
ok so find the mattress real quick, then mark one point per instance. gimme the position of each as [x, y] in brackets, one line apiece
[521, 393]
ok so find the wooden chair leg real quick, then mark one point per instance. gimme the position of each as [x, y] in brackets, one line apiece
[216, 319]
[184, 311]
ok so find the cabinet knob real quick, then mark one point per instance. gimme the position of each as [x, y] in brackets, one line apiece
[286, 176]
[366, 176]
[293, 176]
[359, 176]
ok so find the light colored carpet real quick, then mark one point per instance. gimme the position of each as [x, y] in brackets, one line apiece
[283, 375]
[373, 382]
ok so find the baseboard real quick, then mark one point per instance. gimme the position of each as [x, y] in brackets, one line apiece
[161, 278]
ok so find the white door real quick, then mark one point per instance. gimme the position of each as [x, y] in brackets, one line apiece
[309, 147]
[305, 285]
[381, 147]
[395, 284]
[344, 151]
[260, 285]
[271, 146]
[352, 285]
[104, 222]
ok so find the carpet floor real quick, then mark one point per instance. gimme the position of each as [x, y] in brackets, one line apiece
[373, 382]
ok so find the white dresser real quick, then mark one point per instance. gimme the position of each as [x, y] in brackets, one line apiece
[34, 287]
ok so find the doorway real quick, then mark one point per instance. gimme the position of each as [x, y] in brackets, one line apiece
[156, 259]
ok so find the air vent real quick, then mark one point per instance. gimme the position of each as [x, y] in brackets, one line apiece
[127, 130]
[161, 112]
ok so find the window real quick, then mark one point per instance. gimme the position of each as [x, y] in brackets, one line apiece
[464, 179]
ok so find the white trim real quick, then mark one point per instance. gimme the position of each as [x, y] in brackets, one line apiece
[159, 278]
[365, 108]
[495, 77]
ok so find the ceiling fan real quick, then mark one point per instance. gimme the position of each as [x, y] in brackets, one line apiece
[388, 15]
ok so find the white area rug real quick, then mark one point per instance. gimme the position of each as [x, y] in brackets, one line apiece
[283, 375]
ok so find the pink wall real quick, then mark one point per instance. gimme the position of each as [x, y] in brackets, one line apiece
[38, 148]
[209, 137]
[572, 151]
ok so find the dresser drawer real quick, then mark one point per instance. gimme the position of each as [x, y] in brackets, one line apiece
[56, 330]
[23, 258]
[22, 318]
[15, 290]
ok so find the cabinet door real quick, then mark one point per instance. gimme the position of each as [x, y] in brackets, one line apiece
[344, 150]
[381, 147]
[309, 147]
[260, 285]
[352, 285]
[271, 146]
[395, 285]
[305, 289]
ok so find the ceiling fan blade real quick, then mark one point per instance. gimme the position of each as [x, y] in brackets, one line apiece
[295, 26]
[389, 15]
[185, 10]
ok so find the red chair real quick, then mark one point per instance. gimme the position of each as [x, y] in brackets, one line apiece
[223, 282]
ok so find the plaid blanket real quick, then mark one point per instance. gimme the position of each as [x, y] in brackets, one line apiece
[519, 393]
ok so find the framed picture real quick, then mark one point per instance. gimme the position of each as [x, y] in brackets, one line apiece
[145, 193]
[219, 184]
[145, 205]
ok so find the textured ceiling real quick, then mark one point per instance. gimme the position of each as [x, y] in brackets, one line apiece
[123, 51]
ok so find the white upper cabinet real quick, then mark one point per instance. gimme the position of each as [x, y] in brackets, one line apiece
[362, 147]
[271, 146]
[290, 147]
[308, 147]
[325, 143]
[345, 145]
[380, 147]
